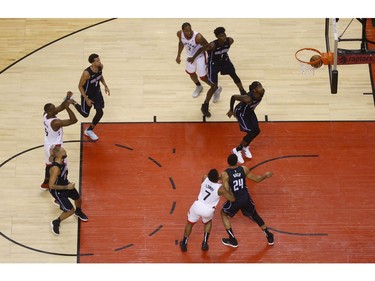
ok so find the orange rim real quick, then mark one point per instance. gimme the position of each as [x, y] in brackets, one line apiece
[308, 49]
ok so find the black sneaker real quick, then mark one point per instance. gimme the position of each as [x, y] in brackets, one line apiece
[56, 203]
[183, 246]
[205, 110]
[270, 238]
[55, 227]
[204, 246]
[231, 242]
[79, 214]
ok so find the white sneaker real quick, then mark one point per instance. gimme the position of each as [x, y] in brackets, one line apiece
[197, 91]
[217, 94]
[247, 152]
[239, 155]
[91, 135]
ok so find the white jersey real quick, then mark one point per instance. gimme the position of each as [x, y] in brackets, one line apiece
[204, 207]
[190, 45]
[51, 137]
[209, 193]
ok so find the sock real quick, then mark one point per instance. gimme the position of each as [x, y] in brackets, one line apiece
[239, 148]
[205, 237]
[198, 84]
[231, 234]
[185, 240]
[266, 231]
[90, 128]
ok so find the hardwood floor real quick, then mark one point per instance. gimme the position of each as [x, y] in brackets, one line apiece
[145, 82]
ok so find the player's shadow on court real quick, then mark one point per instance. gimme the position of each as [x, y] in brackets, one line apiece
[230, 251]
[258, 256]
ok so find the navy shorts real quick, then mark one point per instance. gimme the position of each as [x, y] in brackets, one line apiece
[248, 122]
[62, 196]
[96, 98]
[244, 204]
[225, 68]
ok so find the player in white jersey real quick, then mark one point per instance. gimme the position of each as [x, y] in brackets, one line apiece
[196, 63]
[204, 207]
[53, 129]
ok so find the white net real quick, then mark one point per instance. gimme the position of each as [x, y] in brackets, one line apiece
[307, 69]
[304, 58]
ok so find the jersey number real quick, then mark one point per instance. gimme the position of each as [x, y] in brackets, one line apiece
[237, 184]
[208, 194]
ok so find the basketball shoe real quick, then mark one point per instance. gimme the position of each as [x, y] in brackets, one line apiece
[91, 135]
[205, 110]
[81, 215]
[197, 91]
[183, 246]
[217, 94]
[231, 242]
[44, 186]
[246, 152]
[204, 246]
[55, 224]
[270, 237]
[239, 155]
[56, 203]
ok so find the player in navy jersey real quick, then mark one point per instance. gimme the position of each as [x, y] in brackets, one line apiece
[246, 117]
[91, 94]
[62, 189]
[219, 61]
[234, 179]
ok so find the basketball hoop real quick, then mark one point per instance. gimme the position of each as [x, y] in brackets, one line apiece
[311, 59]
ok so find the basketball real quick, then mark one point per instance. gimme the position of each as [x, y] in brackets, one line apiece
[316, 61]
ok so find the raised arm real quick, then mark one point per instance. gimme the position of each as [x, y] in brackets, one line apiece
[257, 178]
[58, 123]
[65, 103]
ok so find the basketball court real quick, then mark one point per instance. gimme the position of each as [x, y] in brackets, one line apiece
[140, 179]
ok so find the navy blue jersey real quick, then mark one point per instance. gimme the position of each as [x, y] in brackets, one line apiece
[244, 108]
[237, 181]
[62, 179]
[92, 85]
[220, 53]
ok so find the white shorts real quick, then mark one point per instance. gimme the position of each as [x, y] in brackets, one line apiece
[200, 210]
[199, 66]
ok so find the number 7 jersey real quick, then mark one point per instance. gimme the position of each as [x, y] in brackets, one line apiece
[209, 193]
